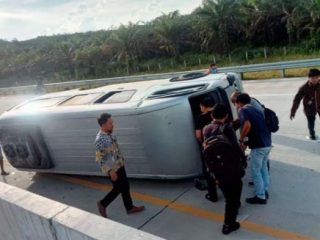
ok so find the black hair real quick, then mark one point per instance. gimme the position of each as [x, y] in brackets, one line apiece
[243, 98]
[103, 118]
[219, 111]
[313, 72]
[207, 102]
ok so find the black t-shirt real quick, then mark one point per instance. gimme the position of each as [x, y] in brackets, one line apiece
[203, 120]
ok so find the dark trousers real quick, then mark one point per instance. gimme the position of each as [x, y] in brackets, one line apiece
[210, 179]
[311, 124]
[119, 186]
[232, 194]
[212, 186]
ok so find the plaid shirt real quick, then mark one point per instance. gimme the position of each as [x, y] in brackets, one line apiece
[107, 152]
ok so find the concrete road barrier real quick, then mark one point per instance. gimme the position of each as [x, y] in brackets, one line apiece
[24, 215]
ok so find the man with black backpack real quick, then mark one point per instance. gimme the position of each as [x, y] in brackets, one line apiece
[270, 117]
[259, 141]
[225, 159]
[202, 120]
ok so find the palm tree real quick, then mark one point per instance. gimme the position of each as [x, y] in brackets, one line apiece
[314, 22]
[294, 17]
[220, 19]
[125, 42]
[169, 31]
[265, 23]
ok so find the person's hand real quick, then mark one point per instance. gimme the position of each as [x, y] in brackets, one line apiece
[291, 116]
[243, 146]
[204, 145]
[113, 175]
[236, 124]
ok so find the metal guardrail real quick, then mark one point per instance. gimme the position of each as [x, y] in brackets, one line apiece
[238, 69]
[273, 66]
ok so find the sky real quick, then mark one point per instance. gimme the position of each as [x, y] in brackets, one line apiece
[26, 19]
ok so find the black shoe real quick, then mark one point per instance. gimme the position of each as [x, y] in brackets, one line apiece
[4, 173]
[251, 184]
[226, 229]
[267, 195]
[211, 198]
[256, 200]
[102, 209]
[198, 184]
[312, 137]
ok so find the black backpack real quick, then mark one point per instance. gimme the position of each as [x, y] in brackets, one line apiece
[271, 118]
[222, 159]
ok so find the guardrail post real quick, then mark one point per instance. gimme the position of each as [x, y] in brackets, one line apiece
[241, 75]
[265, 52]
[283, 73]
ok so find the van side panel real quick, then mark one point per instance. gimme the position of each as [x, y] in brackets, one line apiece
[170, 141]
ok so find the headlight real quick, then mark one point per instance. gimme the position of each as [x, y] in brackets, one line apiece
[24, 147]
[9, 150]
[22, 150]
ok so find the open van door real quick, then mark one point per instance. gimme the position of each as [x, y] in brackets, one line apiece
[219, 95]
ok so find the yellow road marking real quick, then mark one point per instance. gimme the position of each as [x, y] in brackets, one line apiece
[185, 208]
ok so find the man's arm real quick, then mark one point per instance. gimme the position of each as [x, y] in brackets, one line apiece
[296, 102]
[318, 99]
[198, 129]
[199, 137]
[245, 130]
[244, 133]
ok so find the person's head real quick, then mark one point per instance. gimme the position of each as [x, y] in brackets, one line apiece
[206, 104]
[242, 99]
[212, 68]
[219, 113]
[314, 76]
[106, 123]
[234, 96]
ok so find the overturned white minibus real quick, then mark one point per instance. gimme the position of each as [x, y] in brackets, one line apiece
[154, 124]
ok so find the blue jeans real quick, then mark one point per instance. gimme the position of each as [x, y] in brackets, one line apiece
[259, 170]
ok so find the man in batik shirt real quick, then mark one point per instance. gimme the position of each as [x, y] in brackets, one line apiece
[112, 163]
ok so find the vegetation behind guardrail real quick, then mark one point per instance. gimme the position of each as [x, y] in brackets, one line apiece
[228, 32]
[49, 87]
